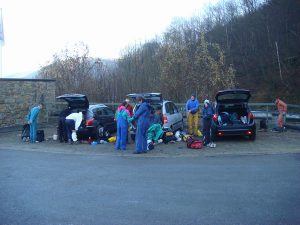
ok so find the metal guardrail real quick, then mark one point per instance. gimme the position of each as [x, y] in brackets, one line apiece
[260, 110]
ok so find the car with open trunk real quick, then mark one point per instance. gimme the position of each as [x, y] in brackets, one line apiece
[99, 120]
[172, 118]
[233, 115]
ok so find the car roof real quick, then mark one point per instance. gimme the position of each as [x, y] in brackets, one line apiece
[97, 105]
[149, 96]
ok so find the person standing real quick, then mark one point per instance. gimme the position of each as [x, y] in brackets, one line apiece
[192, 109]
[122, 117]
[62, 129]
[207, 115]
[73, 122]
[129, 107]
[282, 109]
[142, 115]
[32, 121]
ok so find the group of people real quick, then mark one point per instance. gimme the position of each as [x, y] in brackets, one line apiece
[148, 124]
[143, 118]
[192, 110]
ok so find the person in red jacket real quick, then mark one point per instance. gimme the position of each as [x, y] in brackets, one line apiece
[129, 107]
[282, 109]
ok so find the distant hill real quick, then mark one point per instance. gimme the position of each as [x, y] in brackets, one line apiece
[25, 75]
[109, 63]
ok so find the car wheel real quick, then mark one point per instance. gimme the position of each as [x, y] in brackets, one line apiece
[252, 137]
[106, 133]
[100, 131]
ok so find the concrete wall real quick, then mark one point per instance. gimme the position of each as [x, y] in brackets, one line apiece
[17, 96]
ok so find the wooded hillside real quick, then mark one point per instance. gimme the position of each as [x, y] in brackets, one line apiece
[232, 44]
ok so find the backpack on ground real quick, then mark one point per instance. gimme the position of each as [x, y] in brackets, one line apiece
[40, 136]
[194, 144]
[25, 132]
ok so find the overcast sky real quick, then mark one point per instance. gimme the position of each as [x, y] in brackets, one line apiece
[34, 30]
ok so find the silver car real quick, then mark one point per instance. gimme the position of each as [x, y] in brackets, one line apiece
[172, 118]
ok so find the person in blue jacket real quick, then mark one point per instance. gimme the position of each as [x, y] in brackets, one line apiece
[142, 115]
[192, 110]
[207, 115]
[122, 117]
[32, 121]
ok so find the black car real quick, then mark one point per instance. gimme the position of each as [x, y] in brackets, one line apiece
[99, 121]
[233, 116]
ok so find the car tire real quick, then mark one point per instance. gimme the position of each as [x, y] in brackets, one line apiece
[252, 137]
[100, 131]
[106, 133]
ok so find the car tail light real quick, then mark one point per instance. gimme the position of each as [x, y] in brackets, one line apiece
[215, 117]
[165, 119]
[250, 116]
[220, 133]
[248, 132]
[89, 122]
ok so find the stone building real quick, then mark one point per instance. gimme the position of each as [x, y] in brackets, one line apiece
[17, 96]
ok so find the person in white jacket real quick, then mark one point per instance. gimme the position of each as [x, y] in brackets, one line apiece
[73, 122]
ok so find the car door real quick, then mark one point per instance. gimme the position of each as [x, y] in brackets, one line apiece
[177, 117]
[109, 117]
[98, 115]
[170, 115]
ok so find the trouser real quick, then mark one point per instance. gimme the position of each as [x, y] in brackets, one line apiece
[70, 125]
[206, 130]
[62, 130]
[33, 131]
[193, 120]
[122, 131]
[280, 120]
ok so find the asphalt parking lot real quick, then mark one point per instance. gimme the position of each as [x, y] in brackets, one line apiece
[265, 143]
[238, 182]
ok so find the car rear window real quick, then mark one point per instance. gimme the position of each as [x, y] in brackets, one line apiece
[230, 96]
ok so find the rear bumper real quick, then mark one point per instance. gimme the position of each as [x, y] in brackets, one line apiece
[86, 132]
[234, 130]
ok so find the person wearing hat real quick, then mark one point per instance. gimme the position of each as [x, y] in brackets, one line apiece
[207, 115]
[192, 109]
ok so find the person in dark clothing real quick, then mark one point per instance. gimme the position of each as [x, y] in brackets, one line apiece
[207, 114]
[62, 130]
[157, 117]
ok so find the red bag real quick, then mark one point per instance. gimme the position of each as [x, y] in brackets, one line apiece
[194, 144]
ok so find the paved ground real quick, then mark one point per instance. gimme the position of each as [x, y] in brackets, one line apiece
[239, 182]
[266, 143]
[52, 188]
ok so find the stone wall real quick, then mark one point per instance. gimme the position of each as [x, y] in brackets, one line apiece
[17, 96]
